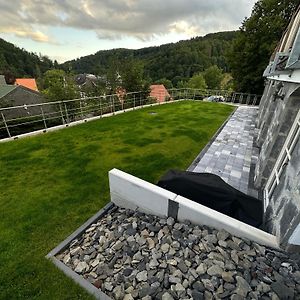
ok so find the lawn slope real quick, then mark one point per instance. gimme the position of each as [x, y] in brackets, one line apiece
[50, 184]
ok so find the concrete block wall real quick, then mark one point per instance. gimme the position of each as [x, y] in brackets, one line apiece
[276, 118]
[283, 213]
[265, 102]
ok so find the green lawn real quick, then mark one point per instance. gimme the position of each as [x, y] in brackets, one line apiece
[50, 184]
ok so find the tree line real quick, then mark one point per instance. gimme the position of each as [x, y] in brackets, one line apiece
[21, 63]
[176, 62]
[255, 42]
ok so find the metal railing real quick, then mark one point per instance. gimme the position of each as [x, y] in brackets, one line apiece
[22, 119]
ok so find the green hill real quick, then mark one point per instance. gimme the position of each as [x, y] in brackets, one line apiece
[22, 63]
[175, 61]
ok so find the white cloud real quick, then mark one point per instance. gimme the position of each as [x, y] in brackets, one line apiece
[123, 18]
[185, 28]
[34, 35]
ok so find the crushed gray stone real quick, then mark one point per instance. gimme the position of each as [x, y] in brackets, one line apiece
[130, 255]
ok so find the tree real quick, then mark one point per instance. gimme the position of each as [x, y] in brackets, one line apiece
[227, 82]
[175, 62]
[181, 84]
[132, 73]
[113, 75]
[59, 86]
[10, 78]
[3, 63]
[255, 42]
[197, 82]
[213, 77]
[166, 82]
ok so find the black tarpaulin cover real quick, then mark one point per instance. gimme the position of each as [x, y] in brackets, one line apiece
[212, 191]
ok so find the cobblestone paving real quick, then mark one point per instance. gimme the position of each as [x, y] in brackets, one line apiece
[232, 153]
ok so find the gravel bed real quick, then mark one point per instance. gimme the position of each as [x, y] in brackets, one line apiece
[130, 255]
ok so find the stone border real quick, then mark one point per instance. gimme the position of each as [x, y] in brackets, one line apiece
[97, 293]
[205, 149]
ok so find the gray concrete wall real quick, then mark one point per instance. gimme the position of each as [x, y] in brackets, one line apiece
[275, 120]
[276, 117]
[283, 213]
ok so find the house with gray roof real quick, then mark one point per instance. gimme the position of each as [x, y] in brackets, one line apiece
[18, 95]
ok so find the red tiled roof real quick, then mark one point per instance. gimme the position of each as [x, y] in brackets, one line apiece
[159, 92]
[30, 83]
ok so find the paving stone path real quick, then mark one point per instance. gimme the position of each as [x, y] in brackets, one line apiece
[233, 152]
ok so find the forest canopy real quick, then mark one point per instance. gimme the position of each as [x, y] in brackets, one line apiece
[174, 62]
[255, 42]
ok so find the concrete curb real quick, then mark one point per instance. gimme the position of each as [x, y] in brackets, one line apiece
[97, 293]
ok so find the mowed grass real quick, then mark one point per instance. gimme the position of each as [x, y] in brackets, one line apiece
[50, 184]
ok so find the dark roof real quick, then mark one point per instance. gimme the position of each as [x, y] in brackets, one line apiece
[2, 80]
[5, 89]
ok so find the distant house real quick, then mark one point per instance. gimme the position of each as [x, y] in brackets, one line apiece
[19, 95]
[88, 84]
[29, 83]
[159, 92]
[86, 80]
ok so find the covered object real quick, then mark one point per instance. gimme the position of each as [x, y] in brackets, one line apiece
[212, 191]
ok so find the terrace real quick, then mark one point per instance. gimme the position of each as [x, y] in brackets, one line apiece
[52, 183]
[66, 183]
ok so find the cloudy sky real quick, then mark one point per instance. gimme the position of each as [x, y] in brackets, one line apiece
[67, 29]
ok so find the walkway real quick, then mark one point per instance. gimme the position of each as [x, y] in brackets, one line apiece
[232, 154]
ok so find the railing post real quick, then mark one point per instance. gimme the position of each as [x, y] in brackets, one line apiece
[111, 107]
[67, 116]
[248, 99]
[141, 105]
[255, 100]
[45, 124]
[5, 125]
[233, 98]
[100, 104]
[133, 101]
[113, 104]
[241, 98]
[81, 109]
[122, 104]
[61, 113]
[226, 96]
